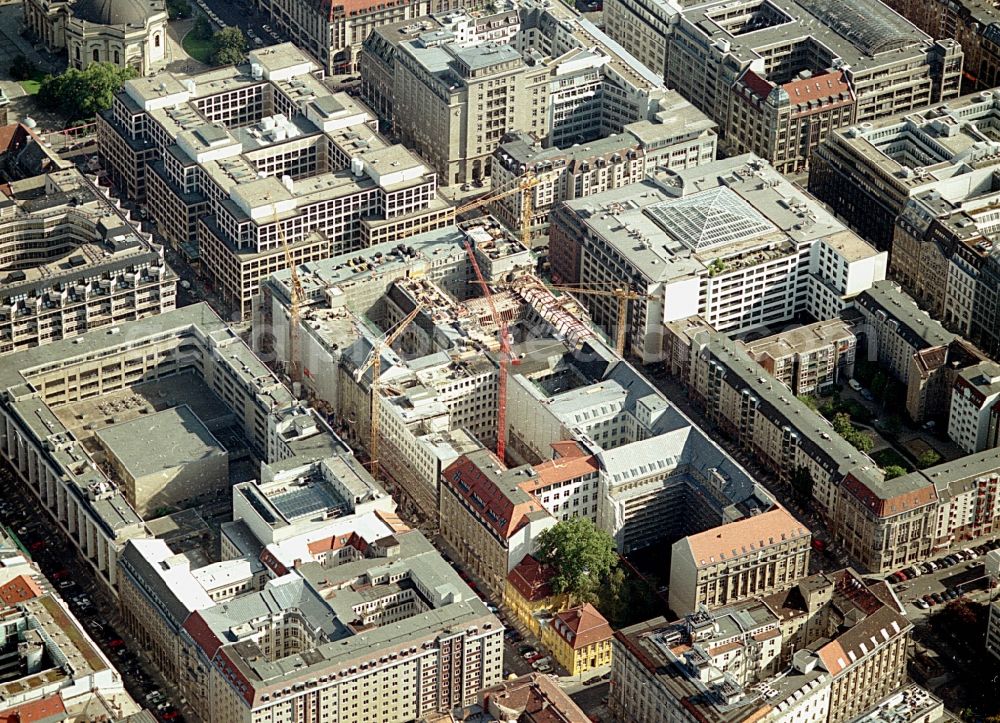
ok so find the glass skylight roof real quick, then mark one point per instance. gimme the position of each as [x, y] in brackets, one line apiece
[710, 218]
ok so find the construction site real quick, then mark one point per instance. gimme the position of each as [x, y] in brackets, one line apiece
[406, 347]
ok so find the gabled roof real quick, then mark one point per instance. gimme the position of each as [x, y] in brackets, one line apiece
[492, 491]
[37, 711]
[582, 626]
[531, 579]
[745, 536]
[19, 589]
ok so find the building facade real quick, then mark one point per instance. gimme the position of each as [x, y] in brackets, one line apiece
[973, 415]
[810, 358]
[75, 262]
[677, 136]
[743, 249]
[734, 562]
[579, 638]
[246, 167]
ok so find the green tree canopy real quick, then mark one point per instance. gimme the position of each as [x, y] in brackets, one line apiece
[582, 556]
[178, 9]
[80, 94]
[893, 471]
[928, 458]
[230, 46]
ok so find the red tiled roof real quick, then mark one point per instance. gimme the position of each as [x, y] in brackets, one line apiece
[46, 709]
[739, 538]
[491, 496]
[757, 85]
[19, 589]
[587, 625]
[203, 636]
[819, 86]
[531, 579]
[336, 542]
[572, 461]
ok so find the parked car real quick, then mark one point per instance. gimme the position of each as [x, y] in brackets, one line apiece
[592, 680]
[920, 603]
[854, 384]
[929, 599]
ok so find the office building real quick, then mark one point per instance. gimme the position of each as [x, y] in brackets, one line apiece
[126, 33]
[972, 24]
[332, 32]
[382, 626]
[882, 524]
[869, 171]
[738, 561]
[643, 26]
[787, 657]
[974, 416]
[730, 241]
[676, 136]
[59, 398]
[248, 166]
[75, 262]
[451, 89]
[809, 359]
[779, 76]
[487, 518]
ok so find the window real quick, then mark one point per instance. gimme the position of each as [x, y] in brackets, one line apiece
[97, 55]
[117, 59]
[156, 40]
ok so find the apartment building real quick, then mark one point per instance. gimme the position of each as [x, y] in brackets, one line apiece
[779, 76]
[737, 561]
[728, 666]
[247, 166]
[530, 697]
[58, 397]
[528, 595]
[973, 415]
[332, 32]
[731, 241]
[913, 347]
[869, 171]
[352, 616]
[810, 358]
[74, 261]
[883, 525]
[676, 136]
[52, 668]
[487, 518]
[451, 89]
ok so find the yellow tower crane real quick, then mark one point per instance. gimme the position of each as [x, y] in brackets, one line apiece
[374, 361]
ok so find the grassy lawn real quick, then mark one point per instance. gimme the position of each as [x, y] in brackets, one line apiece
[198, 46]
[885, 457]
[32, 84]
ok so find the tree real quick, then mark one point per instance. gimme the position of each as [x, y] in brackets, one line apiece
[582, 556]
[229, 46]
[80, 94]
[893, 471]
[21, 68]
[802, 483]
[202, 27]
[862, 441]
[178, 9]
[928, 458]
[842, 425]
[810, 401]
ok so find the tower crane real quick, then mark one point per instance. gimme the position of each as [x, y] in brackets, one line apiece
[505, 353]
[298, 296]
[374, 361]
